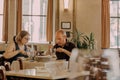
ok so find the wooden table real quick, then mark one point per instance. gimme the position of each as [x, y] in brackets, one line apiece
[32, 74]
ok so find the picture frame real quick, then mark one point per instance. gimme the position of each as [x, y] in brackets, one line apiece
[65, 25]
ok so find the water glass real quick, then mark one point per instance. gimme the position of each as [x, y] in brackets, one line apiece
[30, 55]
[53, 52]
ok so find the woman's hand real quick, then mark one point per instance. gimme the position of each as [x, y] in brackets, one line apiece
[23, 52]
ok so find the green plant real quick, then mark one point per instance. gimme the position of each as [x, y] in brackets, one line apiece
[91, 41]
[82, 41]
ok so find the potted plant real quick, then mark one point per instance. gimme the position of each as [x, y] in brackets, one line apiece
[83, 42]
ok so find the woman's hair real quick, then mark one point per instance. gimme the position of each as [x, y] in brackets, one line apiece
[20, 36]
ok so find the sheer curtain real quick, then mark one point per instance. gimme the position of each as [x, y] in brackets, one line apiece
[105, 24]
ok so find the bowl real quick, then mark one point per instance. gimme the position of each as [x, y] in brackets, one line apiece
[43, 58]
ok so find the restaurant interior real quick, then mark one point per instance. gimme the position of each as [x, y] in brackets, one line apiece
[92, 26]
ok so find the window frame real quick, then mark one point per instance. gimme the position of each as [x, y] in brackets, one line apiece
[24, 15]
[117, 17]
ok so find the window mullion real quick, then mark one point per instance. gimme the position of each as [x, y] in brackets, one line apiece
[118, 25]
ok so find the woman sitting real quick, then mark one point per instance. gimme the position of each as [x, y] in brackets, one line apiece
[18, 48]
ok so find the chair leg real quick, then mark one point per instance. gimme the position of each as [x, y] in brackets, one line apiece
[2, 73]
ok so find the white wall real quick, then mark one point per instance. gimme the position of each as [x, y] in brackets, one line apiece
[88, 17]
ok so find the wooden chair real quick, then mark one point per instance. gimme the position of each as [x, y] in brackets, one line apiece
[2, 74]
[4, 63]
[20, 63]
[7, 66]
[97, 69]
[4, 66]
[103, 67]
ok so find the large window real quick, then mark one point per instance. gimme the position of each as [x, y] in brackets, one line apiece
[1, 18]
[115, 23]
[34, 18]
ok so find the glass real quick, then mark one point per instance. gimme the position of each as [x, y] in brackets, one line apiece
[37, 27]
[114, 24]
[113, 32]
[34, 7]
[55, 68]
[119, 7]
[1, 6]
[53, 52]
[31, 55]
[1, 17]
[113, 8]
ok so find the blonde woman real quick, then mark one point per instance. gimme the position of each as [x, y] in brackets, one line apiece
[18, 48]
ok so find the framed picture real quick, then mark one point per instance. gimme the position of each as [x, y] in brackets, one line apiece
[65, 25]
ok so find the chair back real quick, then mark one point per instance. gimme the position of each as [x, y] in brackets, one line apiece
[7, 66]
[2, 73]
[4, 63]
[20, 63]
[2, 60]
[98, 67]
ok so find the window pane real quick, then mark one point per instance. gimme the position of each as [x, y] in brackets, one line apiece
[34, 18]
[113, 32]
[1, 27]
[1, 18]
[114, 24]
[35, 7]
[36, 26]
[113, 8]
[118, 33]
[1, 6]
[119, 9]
